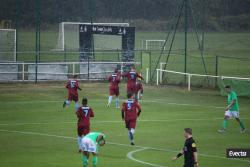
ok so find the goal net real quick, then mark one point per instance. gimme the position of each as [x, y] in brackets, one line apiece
[7, 45]
[153, 44]
[68, 37]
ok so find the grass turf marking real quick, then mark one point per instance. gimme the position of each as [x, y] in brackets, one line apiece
[111, 121]
[130, 156]
[118, 144]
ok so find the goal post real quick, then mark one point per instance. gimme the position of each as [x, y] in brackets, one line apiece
[7, 45]
[68, 35]
[153, 44]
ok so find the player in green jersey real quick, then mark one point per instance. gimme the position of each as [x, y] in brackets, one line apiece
[90, 144]
[232, 110]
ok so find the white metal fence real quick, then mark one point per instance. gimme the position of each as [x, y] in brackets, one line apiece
[189, 76]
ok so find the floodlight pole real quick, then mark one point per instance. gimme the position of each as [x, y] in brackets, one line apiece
[17, 25]
[186, 29]
[37, 36]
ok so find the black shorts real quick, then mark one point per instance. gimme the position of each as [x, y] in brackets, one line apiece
[189, 165]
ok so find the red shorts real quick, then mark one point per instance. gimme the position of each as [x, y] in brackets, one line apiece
[130, 124]
[114, 91]
[83, 130]
[131, 89]
[73, 97]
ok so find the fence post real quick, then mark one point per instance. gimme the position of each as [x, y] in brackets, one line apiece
[141, 59]
[73, 68]
[150, 67]
[189, 82]
[161, 72]
[216, 69]
[157, 77]
[88, 67]
[23, 72]
[147, 75]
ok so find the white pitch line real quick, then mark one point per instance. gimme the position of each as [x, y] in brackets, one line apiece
[130, 156]
[111, 121]
[144, 100]
[118, 144]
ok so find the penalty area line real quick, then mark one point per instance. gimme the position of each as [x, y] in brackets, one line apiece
[118, 144]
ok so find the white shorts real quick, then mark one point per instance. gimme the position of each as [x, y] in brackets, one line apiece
[232, 114]
[88, 145]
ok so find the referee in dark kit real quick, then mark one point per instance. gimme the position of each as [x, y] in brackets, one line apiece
[189, 150]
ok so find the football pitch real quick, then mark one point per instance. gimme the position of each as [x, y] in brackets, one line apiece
[36, 131]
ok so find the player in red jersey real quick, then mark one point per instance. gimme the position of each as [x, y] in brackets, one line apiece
[114, 81]
[132, 76]
[138, 90]
[130, 111]
[73, 87]
[84, 113]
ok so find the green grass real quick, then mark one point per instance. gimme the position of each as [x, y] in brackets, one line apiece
[166, 111]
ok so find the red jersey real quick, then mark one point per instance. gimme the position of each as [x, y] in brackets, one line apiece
[72, 86]
[114, 81]
[83, 115]
[132, 76]
[130, 108]
[139, 87]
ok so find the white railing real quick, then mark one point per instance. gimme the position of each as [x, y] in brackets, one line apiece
[189, 75]
[21, 71]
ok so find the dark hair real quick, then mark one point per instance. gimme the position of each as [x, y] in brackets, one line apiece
[188, 130]
[116, 70]
[75, 76]
[84, 101]
[129, 95]
[228, 87]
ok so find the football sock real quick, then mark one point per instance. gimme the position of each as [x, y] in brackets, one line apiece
[131, 135]
[242, 125]
[85, 161]
[117, 102]
[76, 106]
[94, 159]
[79, 139]
[225, 122]
[110, 99]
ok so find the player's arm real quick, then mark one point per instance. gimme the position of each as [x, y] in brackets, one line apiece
[78, 113]
[230, 105]
[100, 140]
[194, 150]
[178, 155]
[125, 74]
[139, 76]
[123, 111]
[141, 89]
[77, 85]
[67, 85]
[91, 113]
[196, 164]
[122, 114]
[138, 109]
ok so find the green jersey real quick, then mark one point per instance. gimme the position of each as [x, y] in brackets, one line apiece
[93, 136]
[230, 97]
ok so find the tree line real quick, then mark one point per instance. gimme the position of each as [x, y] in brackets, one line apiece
[222, 15]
